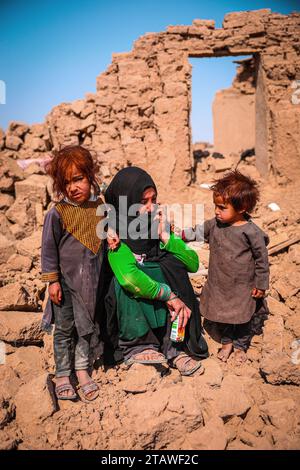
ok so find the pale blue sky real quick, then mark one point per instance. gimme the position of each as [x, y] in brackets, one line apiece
[52, 50]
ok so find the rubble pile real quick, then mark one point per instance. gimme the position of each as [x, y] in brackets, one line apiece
[140, 115]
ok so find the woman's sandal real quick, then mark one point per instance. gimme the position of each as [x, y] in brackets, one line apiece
[59, 389]
[182, 361]
[87, 389]
[160, 358]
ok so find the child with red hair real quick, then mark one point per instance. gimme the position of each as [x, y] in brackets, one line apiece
[238, 274]
[72, 264]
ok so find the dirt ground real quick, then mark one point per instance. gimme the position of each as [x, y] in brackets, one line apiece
[251, 406]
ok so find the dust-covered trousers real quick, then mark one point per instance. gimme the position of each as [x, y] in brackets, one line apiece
[70, 350]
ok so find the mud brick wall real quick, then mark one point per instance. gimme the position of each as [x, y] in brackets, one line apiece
[140, 113]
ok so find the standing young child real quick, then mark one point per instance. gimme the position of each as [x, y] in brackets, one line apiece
[238, 273]
[72, 264]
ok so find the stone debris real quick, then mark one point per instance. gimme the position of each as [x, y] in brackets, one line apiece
[139, 115]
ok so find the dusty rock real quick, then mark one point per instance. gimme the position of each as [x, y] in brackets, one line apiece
[8, 441]
[33, 188]
[232, 399]
[7, 248]
[13, 142]
[18, 129]
[7, 411]
[35, 143]
[6, 201]
[19, 263]
[278, 308]
[280, 413]
[213, 374]
[257, 443]
[277, 365]
[17, 213]
[253, 423]
[9, 381]
[6, 184]
[17, 231]
[30, 246]
[294, 253]
[33, 402]
[293, 324]
[5, 229]
[21, 328]
[164, 416]
[140, 378]
[287, 286]
[212, 436]
[278, 368]
[16, 297]
[27, 362]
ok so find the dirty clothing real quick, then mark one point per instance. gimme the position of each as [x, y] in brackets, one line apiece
[238, 335]
[70, 351]
[238, 262]
[157, 339]
[136, 319]
[73, 255]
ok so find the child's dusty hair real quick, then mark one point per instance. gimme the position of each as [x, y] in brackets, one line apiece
[238, 190]
[61, 162]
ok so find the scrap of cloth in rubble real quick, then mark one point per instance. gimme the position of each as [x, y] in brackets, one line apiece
[168, 263]
[72, 249]
[238, 262]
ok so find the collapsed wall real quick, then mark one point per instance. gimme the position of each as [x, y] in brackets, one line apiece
[140, 112]
[140, 115]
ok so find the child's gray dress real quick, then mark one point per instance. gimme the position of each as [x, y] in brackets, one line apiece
[71, 249]
[238, 262]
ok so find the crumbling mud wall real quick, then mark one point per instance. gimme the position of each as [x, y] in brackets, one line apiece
[140, 115]
[141, 110]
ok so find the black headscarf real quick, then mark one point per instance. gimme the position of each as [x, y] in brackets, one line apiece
[132, 182]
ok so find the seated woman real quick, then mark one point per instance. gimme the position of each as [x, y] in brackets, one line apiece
[151, 286]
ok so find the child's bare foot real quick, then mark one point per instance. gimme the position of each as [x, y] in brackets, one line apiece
[64, 389]
[225, 352]
[240, 357]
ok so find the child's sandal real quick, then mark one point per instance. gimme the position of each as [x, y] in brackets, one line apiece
[65, 388]
[87, 389]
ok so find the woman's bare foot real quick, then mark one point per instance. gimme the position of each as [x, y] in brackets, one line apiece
[225, 352]
[240, 357]
[88, 386]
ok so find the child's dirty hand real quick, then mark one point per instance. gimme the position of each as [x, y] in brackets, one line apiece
[55, 292]
[161, 216]
[258, 293]
[113, 239]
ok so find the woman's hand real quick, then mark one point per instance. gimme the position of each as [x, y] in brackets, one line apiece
[178, 308]
[113, 239]
[55, 292]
